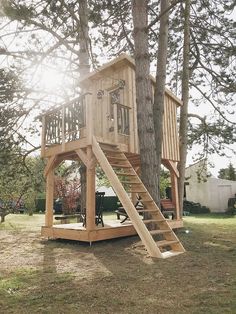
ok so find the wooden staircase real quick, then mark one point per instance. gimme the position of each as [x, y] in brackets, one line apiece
[161, 241]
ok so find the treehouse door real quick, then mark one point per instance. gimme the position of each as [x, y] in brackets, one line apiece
[118, 124]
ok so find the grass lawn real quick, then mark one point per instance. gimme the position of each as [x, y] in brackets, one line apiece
[117, 276]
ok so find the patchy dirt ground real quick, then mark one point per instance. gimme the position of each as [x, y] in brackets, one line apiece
[117, 276]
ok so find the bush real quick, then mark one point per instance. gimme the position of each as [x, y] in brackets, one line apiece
[195, 208]
[40, 204]
[231, 211]
[110, 203]
[231, 206]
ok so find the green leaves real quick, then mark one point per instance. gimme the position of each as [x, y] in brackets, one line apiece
[10, 85]
[228, 173]
[18, 12]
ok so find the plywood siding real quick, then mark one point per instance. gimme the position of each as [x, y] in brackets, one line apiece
[170, 148]
[108, 80]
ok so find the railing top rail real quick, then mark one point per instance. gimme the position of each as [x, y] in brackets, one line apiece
[59, 107]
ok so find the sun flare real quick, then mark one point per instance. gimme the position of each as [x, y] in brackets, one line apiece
[51, 79]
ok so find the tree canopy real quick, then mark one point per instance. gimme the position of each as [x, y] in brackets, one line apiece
[228, 173]
[41, 56]
[41, 38]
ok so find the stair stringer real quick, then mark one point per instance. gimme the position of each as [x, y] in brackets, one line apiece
[157, 214]
[138, 224]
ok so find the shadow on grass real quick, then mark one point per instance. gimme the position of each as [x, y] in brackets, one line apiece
[117, 276]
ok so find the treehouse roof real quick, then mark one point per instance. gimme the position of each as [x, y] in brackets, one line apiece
[122, 60]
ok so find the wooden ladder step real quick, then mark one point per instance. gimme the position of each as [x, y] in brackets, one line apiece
[163, 243]
[147, 221]
[113, 149]
[146, 210]
[130, 182]
[114, 154]
[155, 232]
[115, 158]
[138, 191]
[125, 174]
[147, 201]
[120, 166]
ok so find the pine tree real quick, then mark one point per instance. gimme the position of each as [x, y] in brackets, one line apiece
[146, 133]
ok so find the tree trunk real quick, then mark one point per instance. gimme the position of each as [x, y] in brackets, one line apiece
[183, 139]
[83, 39]
[3, 218]
[159, 95]
[84, 70]
[146, 134]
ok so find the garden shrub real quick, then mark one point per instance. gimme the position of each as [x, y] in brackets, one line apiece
[195, 208]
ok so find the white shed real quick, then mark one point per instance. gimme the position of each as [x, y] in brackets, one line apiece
[208, 191]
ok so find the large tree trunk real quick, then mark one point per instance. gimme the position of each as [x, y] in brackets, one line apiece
[83, 38]
[159, 95]
[146, 134]
[2, 218]
[84, 70]
[184, 108]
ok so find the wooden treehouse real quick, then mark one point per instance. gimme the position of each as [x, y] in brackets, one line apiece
[100, 127]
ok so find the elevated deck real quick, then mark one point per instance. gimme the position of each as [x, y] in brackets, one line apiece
[112, 229]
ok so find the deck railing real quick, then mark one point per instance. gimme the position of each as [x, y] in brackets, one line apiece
[65, 123]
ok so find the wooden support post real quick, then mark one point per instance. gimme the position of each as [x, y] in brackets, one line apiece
[82, 156]
[115, 124]
[90, 193]
[105, 114]
[175, 194]
[89, 119]
[49, 198]
[49, 165]
[174, 174]
[171, 166]
[43, 137]
[63, 130]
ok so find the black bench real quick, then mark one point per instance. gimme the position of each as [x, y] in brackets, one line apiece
[121, 211]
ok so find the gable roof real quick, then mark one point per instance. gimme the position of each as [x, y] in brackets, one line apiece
[123, 59]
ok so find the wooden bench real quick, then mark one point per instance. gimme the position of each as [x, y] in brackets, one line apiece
[167, 208]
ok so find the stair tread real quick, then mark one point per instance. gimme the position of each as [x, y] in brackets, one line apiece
[109, 147]
[171, 253]
[166, 242]
[152, 220]
[120, 166]
[130, 182]
[116, 158]
[137, 191]
[154, 232]
[125, 174]
[146, 210]
[145, 191]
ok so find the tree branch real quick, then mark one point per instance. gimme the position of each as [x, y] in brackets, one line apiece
[193, 115]
[172, 5]
[211, 102]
